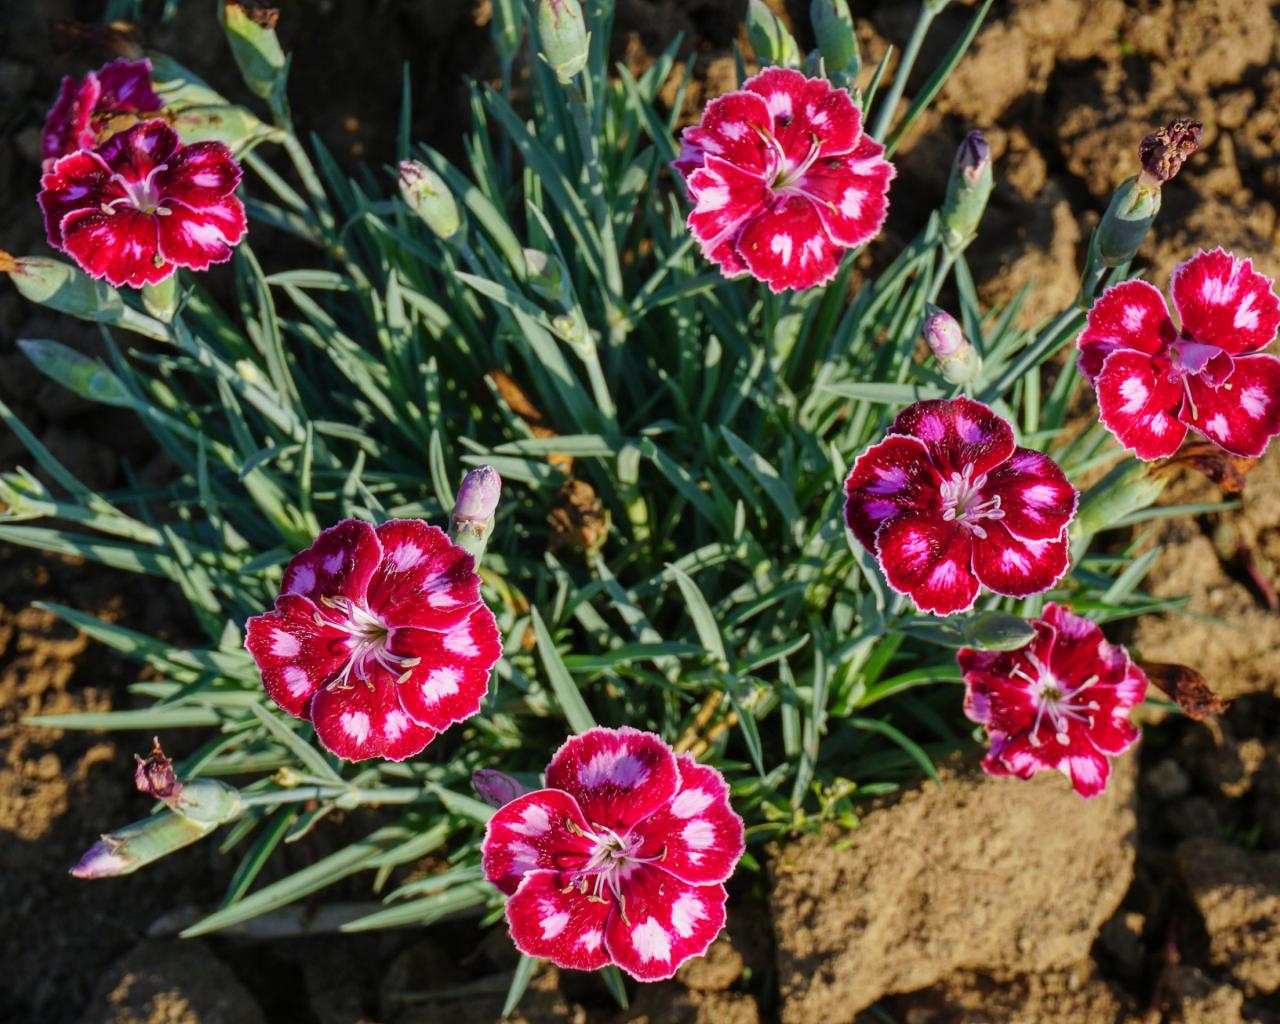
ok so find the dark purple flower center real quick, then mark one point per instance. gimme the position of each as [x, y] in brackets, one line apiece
[1057, 704]
[963, 501]
[143, 194]
[367, 644]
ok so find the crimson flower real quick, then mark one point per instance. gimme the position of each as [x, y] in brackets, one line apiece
[379, 637]
[84, 109]
[1154, 380]
[947, 501]
[143, 204]
[622, 859]
[783, 180]
[1061, 702]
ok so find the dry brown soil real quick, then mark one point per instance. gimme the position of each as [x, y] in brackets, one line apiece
[1167, 910]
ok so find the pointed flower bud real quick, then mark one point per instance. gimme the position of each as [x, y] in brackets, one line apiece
[475, 510]
[562, 28]
[1164, 151]
[1129, 217]
[496, 788]
[426, 194]
[106, 858]
[770, 40]
[968, 190]
[837, 41]
[958, 361]
[1127, 488]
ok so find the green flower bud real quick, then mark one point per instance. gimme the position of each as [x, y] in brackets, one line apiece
[233, 126]
[562, 28]
[1129, 216]
[67, 289]
[837, 41]
[1129, 487]
[958, 361]
[770, 40]
[968, 190]
[426, 194]
[251, 31]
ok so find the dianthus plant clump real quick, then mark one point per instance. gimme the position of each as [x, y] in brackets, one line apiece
[600, 507]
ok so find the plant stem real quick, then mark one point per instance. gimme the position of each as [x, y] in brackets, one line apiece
[884, 114]
[350, 796]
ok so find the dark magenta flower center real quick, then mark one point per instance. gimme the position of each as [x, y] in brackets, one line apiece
[143, 195]
[367, 644]
[963, 501]
[1057, 704]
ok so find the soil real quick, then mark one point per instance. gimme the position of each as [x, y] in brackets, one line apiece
[1163, 909]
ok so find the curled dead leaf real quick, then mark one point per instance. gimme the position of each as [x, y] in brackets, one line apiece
[1185, 687]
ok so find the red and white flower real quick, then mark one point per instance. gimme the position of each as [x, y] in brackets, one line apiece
[1155, 380]
[783, 180]
[144, 204]
[1062, 702]
[947, 501]
[85, 109]
[379, 637]
[622, 859]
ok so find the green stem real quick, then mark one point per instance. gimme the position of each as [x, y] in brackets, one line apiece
[944, 270]
[884, 114]
[310, 179]
[350, 796]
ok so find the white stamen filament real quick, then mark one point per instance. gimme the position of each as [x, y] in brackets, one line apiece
[367, 648]
[962, 501]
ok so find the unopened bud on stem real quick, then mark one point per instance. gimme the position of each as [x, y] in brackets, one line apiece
[475, 510]
[562, 28]
[958, 361]
[837, 41]
[968, 190]
[769, 38]
[496, 788]
[426, 194]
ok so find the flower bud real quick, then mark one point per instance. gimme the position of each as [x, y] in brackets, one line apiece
[1129, 216]
[837, 41]
[958, 361]
[545, 274]
[475, 510]
[68, 289]
[1127, 488]
[426, 194]
[770, 40]
[998, 631]
[496, 788]
[968, 190]
[562, 28]
[251, 31]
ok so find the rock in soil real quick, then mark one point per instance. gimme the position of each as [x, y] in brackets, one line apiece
[171, 983]
[1237, 893]
[986, 874]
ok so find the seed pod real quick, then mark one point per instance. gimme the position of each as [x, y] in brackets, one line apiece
[769, 38]
[968, 190]
[562, 28]
[426, 194]
[837, 41]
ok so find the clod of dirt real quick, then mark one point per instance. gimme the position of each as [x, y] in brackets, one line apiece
[171, 983]
[1198, 999]
[1237, 893]
[669, 1004]
[983, 874]
[1051, 997]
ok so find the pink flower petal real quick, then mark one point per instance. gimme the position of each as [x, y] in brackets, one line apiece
[1015, 567]
[1130, 315]
[135, 153]
[339, 563]
[851, 193]
[958, 433]
[126, 85]
[1137, 402]
[805, 110]
[698, 837]
[67, 125]
[204, 172]
[1223, 301]
[724, 197]
[296, 655]
[888, 479]
[662, 923]
[618, 776]
[929, 560]
[424, 579]
[364, 721]
[996, 699]
[80, 181]
[563, 925]
[196, 237]
[732, 128]
[1035, 496]
[543, 830]
[451, 680]
[1244, 413]
[1080, 761]
[120, 246]
[787, 246]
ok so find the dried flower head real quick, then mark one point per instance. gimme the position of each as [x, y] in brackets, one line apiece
[1164, 151]
[155, 775]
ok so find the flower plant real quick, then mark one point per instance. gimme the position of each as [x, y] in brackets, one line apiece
[746, 520]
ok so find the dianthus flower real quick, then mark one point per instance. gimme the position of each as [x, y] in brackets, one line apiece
[84, 111]
[947, 501]
[144, 204]
[622, 859]
[379, 637]
[1062, 702]
[1155, 380]
[783, 180]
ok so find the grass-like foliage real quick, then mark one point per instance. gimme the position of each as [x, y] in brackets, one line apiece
[669, 552]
